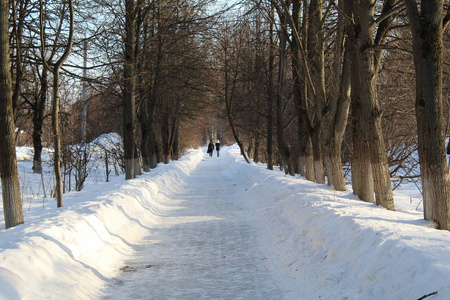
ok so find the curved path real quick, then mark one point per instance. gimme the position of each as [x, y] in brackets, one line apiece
[204, 248]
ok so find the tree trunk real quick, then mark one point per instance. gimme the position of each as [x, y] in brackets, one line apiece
[283, 148]
[12, 202]
[305, 158]
[270, 93]
[336, 114]
[143, 119]
[236, 135]
[17, 30]
[250, 148]
[256, 153]
[148, 148]
[145, 132]
[165, 134]
[137, 164]
[153, 152]
[38, 121]
[370, 116]
[56, 131]
[362, 179]
[316, 94]
[129, 101]
[175, 142]
[427, 31]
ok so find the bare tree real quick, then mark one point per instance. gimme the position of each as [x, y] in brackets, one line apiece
[427, 26]
[283, 148]
[12, 202]
[338, 103]
[55, 68]
[129, 89]
[366, 107]
[230, 77]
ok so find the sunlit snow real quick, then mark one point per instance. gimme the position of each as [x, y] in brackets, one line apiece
[218, 228]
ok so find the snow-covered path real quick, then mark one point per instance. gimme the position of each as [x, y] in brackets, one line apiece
[219, 228]
[205, 246]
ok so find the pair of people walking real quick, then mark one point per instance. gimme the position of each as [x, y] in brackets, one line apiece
[211, 148]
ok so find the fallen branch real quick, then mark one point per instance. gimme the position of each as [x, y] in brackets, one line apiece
[427, 295]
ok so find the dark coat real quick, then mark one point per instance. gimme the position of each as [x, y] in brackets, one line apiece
[210, 147]
[217, 146]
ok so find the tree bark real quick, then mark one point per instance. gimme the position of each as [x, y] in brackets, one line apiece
[129, 98]
[362, 179]
[256, 153]
[336, 113]
[427, 31]
[316, 94]
[283, 148]
[270, 94]
[145, 135]
[12, 202]
[305, 157]
[175, 140]
[38, 121]
[368, 61]
[17, 30]
[56, 132]
[165, 134]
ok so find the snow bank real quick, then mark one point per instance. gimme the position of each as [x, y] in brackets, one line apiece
[79, 247]
[24, 153]
[325, 244]
[317, 243]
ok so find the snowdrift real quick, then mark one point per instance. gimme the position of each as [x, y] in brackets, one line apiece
[317, 243]
[69, 253]
[327, 244]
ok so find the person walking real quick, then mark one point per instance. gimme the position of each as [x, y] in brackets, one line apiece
[210, 148]
[218, 147]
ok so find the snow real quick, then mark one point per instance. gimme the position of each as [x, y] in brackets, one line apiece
[218, 228]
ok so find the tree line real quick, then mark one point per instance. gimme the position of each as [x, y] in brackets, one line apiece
[319, 88]
[140, 65]
[327, 81]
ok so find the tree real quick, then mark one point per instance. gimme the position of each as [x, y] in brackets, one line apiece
[35, 97]
[368, 33]
[12, 202]
[427, 26]
[231, 48]
[19, 13]
[129, 97]
[283, 148]
[336, 110]
[55, 68]
[270, 91]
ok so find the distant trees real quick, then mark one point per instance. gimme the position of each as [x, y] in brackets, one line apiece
[231, 47]
[169, 73]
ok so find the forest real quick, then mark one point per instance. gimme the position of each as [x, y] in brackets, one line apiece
[343, 92]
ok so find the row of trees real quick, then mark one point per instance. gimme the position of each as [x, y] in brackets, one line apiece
[144, 65]
[307, 67]
[12, 91]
